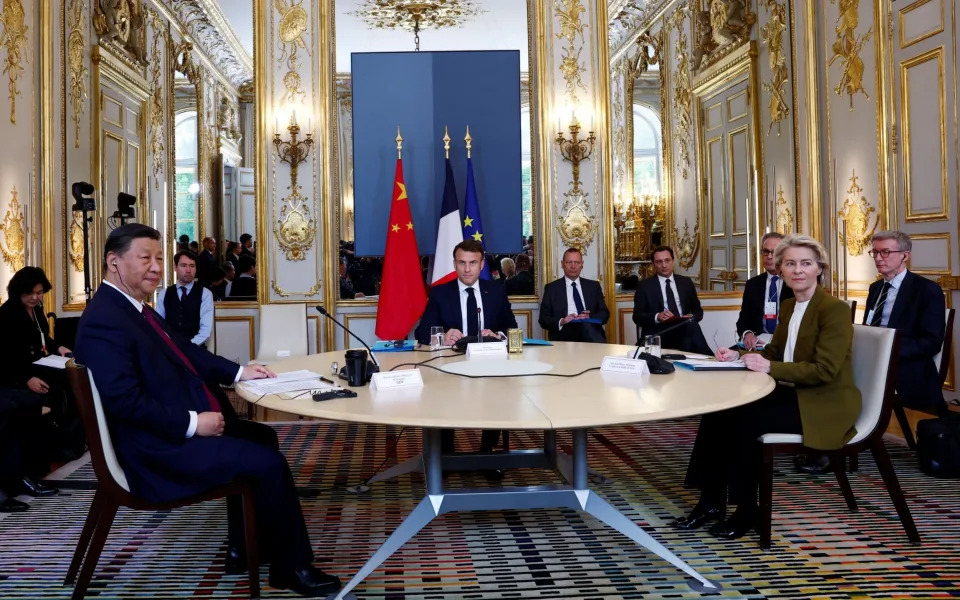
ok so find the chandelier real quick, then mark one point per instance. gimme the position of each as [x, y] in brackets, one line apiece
[416, 15]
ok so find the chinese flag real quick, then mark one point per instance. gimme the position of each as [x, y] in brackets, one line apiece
[402, 293]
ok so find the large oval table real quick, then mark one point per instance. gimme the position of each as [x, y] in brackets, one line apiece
[544, 402]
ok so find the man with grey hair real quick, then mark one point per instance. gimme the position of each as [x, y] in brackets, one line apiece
[915, 306]
[762, 296]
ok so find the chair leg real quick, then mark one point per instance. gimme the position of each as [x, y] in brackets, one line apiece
[765, 520]
[107, 515]
[250, 538]
[838, 464]
[83, 544]
[506, 441]
[893, 487]
[854, 462]
[905, 427]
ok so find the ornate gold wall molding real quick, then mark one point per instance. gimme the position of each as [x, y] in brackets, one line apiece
[76, 51]
[772, 35]
[576, 220]
[571, 26]
[719, 30]
[682, 95]
[290, 38]
[14, 233]
[13, 37]
[856, 213]
[285, 294]
[76, 246]
[784, 217]
[157, 112]
[847, 47]
[688, 244]
[122, 29]
[621, 145]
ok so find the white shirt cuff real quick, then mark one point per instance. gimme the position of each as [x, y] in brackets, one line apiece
[560, 324]
[239, 374]
[743, 337]
[192, 429]
[656, 317]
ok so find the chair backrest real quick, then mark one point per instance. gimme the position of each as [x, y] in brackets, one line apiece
[212, 340]
[283, 331]
[104, 458]
[942, 358]
[874, 373]
[853, 310]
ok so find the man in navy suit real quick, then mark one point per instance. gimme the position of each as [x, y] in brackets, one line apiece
[914, 305]
[662, 300]
[762, 297]
[465, 307]
[173, 435]
[570, 299]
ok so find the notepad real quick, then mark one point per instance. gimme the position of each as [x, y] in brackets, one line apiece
[711, 365]
[588, 320]
[535, 342]
[54, 361]
[390, 346]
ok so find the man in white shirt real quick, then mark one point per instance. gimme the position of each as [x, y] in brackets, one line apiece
[187, 307]
[573, 308]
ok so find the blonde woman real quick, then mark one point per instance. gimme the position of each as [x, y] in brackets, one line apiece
[810, 357]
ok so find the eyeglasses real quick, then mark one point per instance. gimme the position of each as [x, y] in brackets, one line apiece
[766, 252]
[882, 253]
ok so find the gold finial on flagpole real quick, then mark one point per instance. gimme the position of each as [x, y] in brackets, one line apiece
[446, 142]
[468, 139]
[399, 142]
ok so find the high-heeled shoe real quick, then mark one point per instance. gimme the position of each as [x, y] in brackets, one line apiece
[740, 523]
[701, 513]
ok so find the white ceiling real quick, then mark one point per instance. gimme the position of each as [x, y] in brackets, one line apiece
[239, 13]
[502, 27]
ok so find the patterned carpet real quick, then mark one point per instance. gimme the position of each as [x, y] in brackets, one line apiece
[820, 549]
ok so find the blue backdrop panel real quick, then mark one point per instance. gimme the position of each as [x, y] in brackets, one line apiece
[422, 92]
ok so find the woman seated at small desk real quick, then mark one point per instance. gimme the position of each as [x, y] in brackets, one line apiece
[810, 357]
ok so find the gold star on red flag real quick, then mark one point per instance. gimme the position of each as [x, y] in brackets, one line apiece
[395, 228]
[410, 226]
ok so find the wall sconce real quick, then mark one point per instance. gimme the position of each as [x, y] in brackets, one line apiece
[575, 150]
[293, 152]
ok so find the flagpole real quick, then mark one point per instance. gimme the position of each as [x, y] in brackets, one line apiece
[399, 140]
[446, 142]
[468, 140]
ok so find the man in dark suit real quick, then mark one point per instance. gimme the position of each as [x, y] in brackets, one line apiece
[206, 261]
[520, 284]
[244, 286]
[173, 435]
[914, 305]
[663, 300]
[570, 299]
[467, 306]
[762, 296]
[246, 245]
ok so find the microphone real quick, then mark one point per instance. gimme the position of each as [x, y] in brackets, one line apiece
[376, 363]
[682, 322]
[479, 326]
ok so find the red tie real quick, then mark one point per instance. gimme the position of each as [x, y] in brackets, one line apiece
[148, 315]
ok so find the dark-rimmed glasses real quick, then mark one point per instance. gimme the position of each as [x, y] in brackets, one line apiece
[882, 253]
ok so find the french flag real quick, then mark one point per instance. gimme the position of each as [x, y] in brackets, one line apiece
[449, 233]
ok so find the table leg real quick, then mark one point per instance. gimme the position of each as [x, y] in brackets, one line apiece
[563, 463]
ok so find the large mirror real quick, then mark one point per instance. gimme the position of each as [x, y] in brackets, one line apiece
[365, 26]
[186, 159]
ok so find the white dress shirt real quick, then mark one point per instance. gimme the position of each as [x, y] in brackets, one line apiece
[571, 305]
[663, 294]
[192, 427]
[793, 329]
[895, 284]
[206, 310]
[463, 305]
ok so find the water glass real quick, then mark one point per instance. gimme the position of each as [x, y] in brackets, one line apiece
[436, 337]
[652, 345]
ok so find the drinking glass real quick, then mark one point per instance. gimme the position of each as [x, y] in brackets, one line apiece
[652, 345]
[436, 337]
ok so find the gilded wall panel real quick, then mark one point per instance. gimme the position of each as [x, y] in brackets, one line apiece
[924, 122]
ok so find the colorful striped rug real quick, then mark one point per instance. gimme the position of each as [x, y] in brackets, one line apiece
[820, 549]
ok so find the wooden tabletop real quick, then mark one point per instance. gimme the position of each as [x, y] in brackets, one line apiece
[592, 399]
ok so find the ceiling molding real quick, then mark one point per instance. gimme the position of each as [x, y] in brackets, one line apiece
[628, 19]
[203, 21]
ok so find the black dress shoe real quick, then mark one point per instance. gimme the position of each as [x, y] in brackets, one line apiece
[701, 514]
[812, 464]
[235, 562]
[10, 505]
[494, 474]
[310, 582]
[738, 525]
[37, 489]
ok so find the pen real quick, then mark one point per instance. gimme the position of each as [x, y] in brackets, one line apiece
[325, 380]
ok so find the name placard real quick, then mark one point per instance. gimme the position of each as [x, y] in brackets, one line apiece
[616, 364]
[397, 379]
[487, 350]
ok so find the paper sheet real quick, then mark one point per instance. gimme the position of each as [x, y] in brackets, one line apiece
[54, 360]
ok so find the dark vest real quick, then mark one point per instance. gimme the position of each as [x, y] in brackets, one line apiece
[183, 316]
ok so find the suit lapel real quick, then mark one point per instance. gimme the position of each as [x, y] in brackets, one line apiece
[871, 299]
[903, 297]
[654, 293]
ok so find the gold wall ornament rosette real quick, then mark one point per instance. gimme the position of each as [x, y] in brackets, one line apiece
[856, 213]
[157, 113]
[76, 48]
[14, 233]
[285, 294]
[571, 26]
[772, 35]
[784, 216]
[576, 221]
[13, 37]
[688, 245]
[290, 31]
[682, 96]
[847, 47]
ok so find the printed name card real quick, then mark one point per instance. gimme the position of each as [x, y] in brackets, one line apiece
[616, 364]
[397, 379]
[487, 350]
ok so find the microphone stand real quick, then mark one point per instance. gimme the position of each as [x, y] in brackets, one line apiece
[685, 321]
[479, 326]
[373, 358]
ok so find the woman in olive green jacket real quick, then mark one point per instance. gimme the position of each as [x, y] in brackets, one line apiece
[810, 357]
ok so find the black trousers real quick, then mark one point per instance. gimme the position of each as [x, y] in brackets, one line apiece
[21, 443]
[727, 456]
[488, 439]
[580, 332]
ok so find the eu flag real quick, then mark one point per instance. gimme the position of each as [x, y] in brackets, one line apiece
[472, 228]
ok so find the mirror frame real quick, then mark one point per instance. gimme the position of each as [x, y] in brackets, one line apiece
[194, 75]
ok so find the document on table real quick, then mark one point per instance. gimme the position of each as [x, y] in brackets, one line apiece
[293, 381]
[54, 360]
[711, 365]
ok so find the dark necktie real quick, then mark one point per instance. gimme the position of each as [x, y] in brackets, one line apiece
[770, 323]
[183, 293]
[148, 315]
[576, 298]
[472, 325]
[672, 300]
[878, 307]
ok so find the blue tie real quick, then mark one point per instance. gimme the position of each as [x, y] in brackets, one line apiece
[472, 329]
[771, 323]
[577, 302]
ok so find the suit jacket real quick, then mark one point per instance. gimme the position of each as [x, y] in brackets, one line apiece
[147, 392]
[919, 314]
[821, 369]
[206, 263]
[520, 284]
[553, 307]
[243, 288]
[648, 301]
[443, 309]
[21, 343]
[754, 297]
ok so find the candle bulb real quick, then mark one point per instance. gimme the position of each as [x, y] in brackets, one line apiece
[276, 125]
